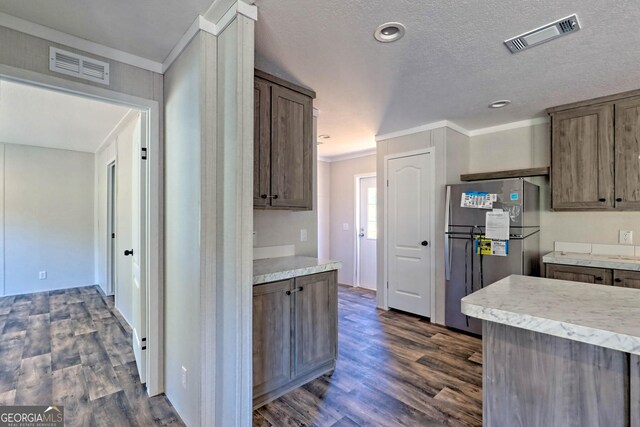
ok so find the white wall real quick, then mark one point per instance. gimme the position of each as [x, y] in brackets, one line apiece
[182, 231]
[120, 149]
[343, 211]
[48, 218]
[324, 209]
[451, 159]
[530, 147]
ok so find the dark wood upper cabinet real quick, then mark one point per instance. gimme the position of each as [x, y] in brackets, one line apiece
[627, 149]
[283, 139]
[595, 154]
[582, 158]
[262, 141]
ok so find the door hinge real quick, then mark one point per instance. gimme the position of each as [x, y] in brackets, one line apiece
[144, 343]
[387, 284]
[113, 235]
[144, 153]
[387, 183]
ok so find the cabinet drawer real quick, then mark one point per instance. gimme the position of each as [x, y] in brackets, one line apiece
[626, 279]
[598, 276]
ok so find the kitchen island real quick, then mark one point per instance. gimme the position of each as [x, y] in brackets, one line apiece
[295, 323]
[558, 353]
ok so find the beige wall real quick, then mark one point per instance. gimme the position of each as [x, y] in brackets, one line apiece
[324, 209]
[343, 212]
[530, 147]
[451, 159]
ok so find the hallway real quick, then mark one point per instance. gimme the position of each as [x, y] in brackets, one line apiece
[72, 348]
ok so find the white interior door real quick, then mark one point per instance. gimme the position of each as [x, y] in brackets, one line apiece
[138, 231]
[409, 239]
[367, 234]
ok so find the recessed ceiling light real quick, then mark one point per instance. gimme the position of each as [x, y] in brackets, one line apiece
[324, 136]
[389, 32]
[499, 104]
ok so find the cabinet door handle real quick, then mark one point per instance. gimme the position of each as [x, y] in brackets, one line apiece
[598, 279]
[298, 289]
[264, 196]
[602, 200]
[618, 280]
[275, 196]
[619, 199]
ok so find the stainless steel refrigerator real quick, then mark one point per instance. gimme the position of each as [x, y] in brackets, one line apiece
[465, 270]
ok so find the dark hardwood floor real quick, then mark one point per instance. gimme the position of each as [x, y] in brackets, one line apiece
[393, 369]
[71, 348]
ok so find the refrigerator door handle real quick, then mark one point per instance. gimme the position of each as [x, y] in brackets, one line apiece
[447, 240]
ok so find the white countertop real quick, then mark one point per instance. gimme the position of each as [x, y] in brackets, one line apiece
[274, 269]
[605, 316]
[615, 262]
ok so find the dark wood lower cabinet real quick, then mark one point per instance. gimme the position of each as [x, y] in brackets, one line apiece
[295, 333]
[534, 379]
[598, 276]
[626, 279]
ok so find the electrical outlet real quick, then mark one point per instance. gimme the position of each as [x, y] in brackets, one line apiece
[303, 235]
[42, 275]
[626, 237]
[345, 226]
[184, 378]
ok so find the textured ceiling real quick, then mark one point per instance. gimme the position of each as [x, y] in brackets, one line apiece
[450, 64]
[147, 28]
[45, 118]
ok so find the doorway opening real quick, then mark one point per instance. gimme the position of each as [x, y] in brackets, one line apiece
[366, 231]
[147, 316]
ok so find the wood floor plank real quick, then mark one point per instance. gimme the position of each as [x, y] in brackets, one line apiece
[64, 349]
[38, 337]
[70, 391]
[112, 410]
[116, 341]
[101, 380]
[8, 398]
[34, 386]
[11, 345]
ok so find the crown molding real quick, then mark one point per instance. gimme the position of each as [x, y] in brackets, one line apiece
[124, 121]
[203, 24]
[78, 43]
[348, 156]
[509, 126]
[423, 128]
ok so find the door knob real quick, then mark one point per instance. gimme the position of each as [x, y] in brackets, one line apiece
[128, 252]
[424, 243]
[361, 234]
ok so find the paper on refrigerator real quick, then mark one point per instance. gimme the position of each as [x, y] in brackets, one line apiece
[497, 225]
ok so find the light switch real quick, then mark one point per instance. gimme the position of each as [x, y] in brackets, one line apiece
[303, 235]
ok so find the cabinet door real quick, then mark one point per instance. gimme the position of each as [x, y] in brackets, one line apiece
[316, 321]
[291, 149]
[598, 276]
[626, 279]
[627, 149]
[261, 142]
[271, 336]
[582, 158]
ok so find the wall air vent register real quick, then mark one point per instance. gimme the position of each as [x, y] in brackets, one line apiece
[79, 66]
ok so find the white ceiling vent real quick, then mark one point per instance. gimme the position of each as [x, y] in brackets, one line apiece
[543, 34]
[78, 66]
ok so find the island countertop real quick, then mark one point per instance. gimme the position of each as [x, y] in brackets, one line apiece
[282, 268]
[604, 316]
